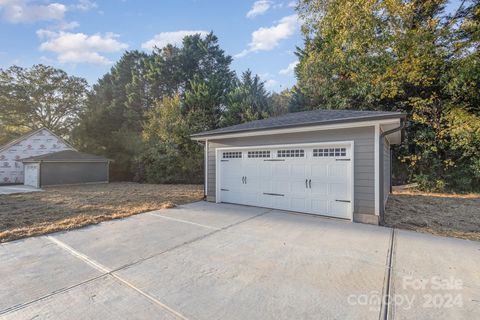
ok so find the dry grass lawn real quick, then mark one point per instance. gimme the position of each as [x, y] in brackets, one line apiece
[69, 207]
[442, 214]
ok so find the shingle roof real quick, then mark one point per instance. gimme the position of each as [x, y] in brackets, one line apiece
[67, 156]
[305, 118]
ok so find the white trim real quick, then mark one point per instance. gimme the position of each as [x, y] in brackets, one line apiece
[377, 169]
[309, 144]
[217, 176]
[298, 129]
[352, 176]
[206, 167]
[349, 143]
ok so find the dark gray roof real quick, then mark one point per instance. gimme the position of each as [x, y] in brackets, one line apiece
[67, 156]
[305, 118]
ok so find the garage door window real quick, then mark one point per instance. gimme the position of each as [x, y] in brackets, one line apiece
[259, 154]
[299, 153]
[230, 155]
[330, 152]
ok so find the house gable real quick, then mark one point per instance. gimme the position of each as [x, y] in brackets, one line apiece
[41, 141]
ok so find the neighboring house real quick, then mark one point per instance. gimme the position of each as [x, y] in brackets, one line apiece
[38, 142]
[65, 167]
[327, 162]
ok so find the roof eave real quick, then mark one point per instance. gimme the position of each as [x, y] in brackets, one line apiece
[203, 137]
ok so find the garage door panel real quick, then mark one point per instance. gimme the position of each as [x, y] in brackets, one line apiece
[339, 209]
[319, 189]
[338, 171]
[319, 170]
[231, 183]
[251, 198]
[299, 170]
[281, 170]
[298, 187]
[283, 187]
[299, 204]
[265, 169]
[338, 190]
[320, 206]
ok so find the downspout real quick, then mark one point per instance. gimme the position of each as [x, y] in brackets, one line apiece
[381, 164]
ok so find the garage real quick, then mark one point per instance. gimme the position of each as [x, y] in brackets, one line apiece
[322, 162]
[65, 167]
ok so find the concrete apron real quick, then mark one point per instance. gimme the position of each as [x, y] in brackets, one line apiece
[208, 261]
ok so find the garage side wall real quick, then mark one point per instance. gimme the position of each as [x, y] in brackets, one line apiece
[364, 198]
[55, 173]
[386, 170]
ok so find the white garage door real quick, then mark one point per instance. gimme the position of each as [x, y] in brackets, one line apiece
[314, 179]
[31, 174]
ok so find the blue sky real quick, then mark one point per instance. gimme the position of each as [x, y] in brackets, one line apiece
[84, 37]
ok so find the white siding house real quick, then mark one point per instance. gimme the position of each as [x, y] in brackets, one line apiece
[38, 142]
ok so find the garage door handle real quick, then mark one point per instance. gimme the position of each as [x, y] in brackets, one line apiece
[310, 183]
[343, 201]
[306, 183]
[243, 179]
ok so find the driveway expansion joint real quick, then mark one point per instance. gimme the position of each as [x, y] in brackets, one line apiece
[386, 312]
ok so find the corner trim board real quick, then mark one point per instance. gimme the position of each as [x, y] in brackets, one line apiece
[377, 169]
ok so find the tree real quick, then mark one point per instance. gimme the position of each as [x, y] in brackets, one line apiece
[41, 96]
[113, 121]
[118, 109]
[172, 69]
[279, 102]
[247, 101]
[170, 155]
[399, 56]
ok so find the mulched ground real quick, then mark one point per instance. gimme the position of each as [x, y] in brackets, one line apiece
[441, 214]
[69, 207]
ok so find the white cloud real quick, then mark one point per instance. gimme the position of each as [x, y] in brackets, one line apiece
[174, 38]
[26, 11]
[289, 69]
[259, 8]
[79, 47]
[292, 4]
[64, 25]
[85, 5]
[270, 83]
[266, 39]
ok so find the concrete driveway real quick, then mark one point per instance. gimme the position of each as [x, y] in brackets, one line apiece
[219, 261]
[12, 189]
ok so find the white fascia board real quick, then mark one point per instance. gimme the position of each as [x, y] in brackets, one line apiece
[297, 129]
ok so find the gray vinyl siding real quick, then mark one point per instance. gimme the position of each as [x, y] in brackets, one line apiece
[364, 165]
[386, 170]
[56, 173]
